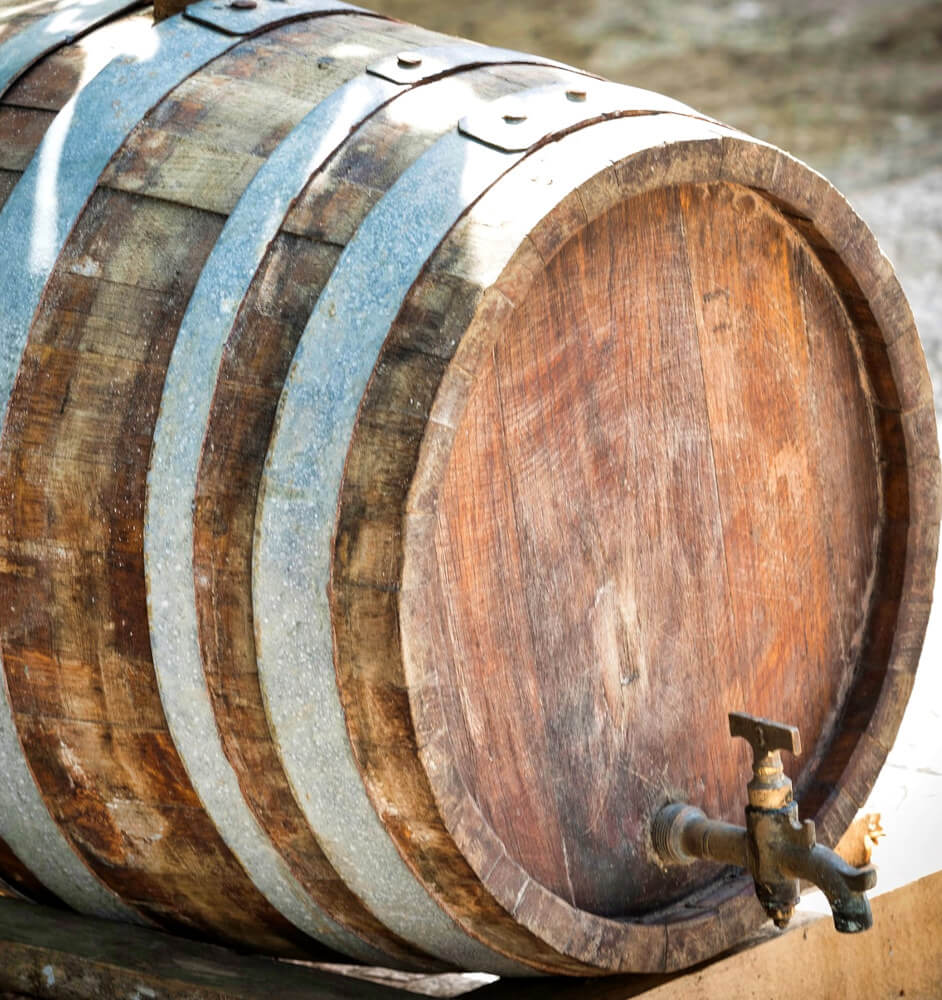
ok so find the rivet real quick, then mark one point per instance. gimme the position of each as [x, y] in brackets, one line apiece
[409, 60]
[514, 119]
[243, 4]
[576, 95]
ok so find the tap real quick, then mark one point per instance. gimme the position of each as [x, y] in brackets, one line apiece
[776, 848]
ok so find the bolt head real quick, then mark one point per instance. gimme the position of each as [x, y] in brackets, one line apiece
[514, 118]
[576, 95]
[409, 60]
[243, 4]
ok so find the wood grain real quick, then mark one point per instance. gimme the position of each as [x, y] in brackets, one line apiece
[206, 141]
[585, 408]
[651, 439]
[255, 364]
[30, 104]
[567, 475]
[75, 644]
[78, 656]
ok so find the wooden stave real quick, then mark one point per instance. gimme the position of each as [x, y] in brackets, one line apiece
[212, 619]
[115, 185]
[282, 698]
[925, 492]
[27, 108]
[271, 944]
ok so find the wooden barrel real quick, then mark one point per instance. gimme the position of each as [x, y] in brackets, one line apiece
[411, 451]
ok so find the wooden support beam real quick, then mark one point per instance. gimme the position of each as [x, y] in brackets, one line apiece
[60, 956]
[53, 955]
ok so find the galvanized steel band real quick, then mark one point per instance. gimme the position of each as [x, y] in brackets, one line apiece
[24, 49]
[304, 466]
[35, 223]
[172, 482]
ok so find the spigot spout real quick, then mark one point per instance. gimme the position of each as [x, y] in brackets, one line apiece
[777, 850]
[842, 884]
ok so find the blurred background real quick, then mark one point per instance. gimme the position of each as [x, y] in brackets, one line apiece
[853, 88]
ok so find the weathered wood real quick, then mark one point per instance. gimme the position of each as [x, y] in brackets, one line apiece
[93, 307]
[60, 956]
[205, 143]
[650, 438]
[255, 363]
[900, 956]
[28, 107]
[454, 714]
[77, 630]
[96, 958]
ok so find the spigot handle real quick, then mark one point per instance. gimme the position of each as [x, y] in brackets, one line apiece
[763, 735]
[778, 849]
[770, 788]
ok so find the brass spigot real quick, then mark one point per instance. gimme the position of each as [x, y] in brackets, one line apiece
[776, 849]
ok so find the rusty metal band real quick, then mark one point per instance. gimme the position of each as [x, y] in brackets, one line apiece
[45, 35]
[172, 483]
[35, 222]
[297, 503]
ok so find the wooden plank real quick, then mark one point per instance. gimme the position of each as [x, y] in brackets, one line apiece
[800, 555]
[58, 956]
[900, 956]
[454, 715]
[203, 144]
[22, 130]
[258, 356]
[255, 362]
[371, 675]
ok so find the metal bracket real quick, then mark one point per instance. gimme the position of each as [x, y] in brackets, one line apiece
[417, 65]
[246, 17]
[517, 122]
